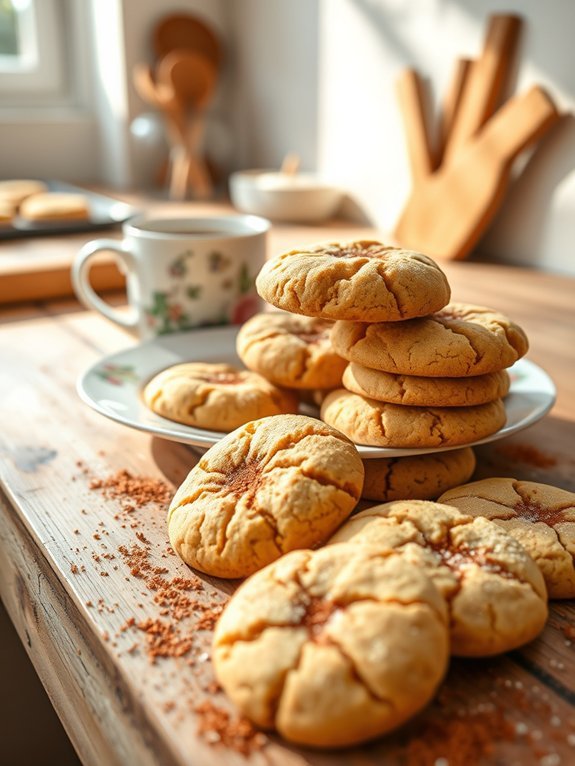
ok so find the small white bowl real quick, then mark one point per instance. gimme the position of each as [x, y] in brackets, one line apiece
[297, 198]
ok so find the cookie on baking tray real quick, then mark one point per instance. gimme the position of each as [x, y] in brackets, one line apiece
[419, 391]
[7, 213]
[215, 396]
[417, 477]
[458, 341]
[268, 487]
[495, 592]
[379, 424]
[55, 206]
[14, 191]
[332, 647]
[361, 280]
[290, 350]
[539, 516]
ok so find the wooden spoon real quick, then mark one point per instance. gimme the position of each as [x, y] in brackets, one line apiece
[192, 79]
[181, 31]
[191, 75]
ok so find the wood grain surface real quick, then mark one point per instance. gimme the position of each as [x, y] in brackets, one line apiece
[76, 599]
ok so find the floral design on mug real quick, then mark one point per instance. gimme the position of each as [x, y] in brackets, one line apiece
[178, 268]
[218, 262]
[170, 310]
[167, 314]
[117, 374]
[194, 292]
[248, 302]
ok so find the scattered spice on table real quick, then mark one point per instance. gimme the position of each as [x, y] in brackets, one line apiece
[133, 491]
[458, 730]
[217, 727]
[163, 640]
[527, 453]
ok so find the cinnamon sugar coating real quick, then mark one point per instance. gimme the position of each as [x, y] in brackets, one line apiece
[362, 280]
[496, 594]
[541, 517]
[332, 647]
[268, 487]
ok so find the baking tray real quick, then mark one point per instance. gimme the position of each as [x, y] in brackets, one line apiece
[105, 213]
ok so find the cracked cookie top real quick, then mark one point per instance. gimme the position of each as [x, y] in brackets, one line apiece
[360, 281]
[333, 647]
[216, 396]
[380, 424]
[290, 350]
[495, 592]
[458, 341]
[268, 487]
[541, 517]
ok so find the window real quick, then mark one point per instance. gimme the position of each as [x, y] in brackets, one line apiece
[31, 51]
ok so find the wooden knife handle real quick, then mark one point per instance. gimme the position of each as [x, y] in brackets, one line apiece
[520, 122]
[410, 97]
[486, 80]
[452, 100]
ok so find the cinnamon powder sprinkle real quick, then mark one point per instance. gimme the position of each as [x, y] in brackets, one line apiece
[133, 491]
[460, 731]
[527, 453]
[177, 601]
[209, 616]
[162, 639]
[217, 727]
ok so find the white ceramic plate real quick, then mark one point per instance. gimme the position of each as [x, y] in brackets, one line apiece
[113, 388]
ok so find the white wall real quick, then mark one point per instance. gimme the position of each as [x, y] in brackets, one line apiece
[275, 81]
[364, 44]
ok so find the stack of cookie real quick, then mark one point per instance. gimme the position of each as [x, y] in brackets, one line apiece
[421, 373]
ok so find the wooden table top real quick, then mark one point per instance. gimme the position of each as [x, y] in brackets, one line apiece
[98, 597]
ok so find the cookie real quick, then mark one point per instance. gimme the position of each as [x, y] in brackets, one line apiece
[216, 396]
[495, 592]
[14, 191]
[332, 647]
[420, 477]
[380, 424]
[290, 350]
[539, 516]
[360, 281]
[418, 391]
[270, 486]
[55, 206]
[458, 341]
[7, 212]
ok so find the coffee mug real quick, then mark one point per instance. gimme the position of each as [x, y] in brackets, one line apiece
[181, 273]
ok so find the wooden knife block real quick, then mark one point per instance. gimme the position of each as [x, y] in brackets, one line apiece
[458, 187]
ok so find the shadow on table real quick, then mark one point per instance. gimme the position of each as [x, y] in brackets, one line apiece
[543, 453]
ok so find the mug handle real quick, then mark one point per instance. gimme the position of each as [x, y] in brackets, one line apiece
[85, 291]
